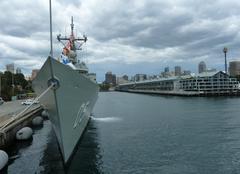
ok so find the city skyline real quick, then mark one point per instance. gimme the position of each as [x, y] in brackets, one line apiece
[137, 37]
[174, 70]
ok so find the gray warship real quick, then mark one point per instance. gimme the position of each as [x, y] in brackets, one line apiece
[73, 93]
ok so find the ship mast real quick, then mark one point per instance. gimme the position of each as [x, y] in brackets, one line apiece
[72, 26]
[50, 15]
[70, 43]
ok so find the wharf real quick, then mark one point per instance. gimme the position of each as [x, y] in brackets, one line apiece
[181, 93]
[176, 93]
[7, 112]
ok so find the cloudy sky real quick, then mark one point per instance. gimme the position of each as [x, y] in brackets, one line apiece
[126, 37]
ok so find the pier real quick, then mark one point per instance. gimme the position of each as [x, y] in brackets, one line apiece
[9, 126]
[203, 84]
[175, 93]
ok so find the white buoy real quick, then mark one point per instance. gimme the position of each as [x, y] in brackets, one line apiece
[3, 159]
[24, 133]
[37, 121]
[45, 114]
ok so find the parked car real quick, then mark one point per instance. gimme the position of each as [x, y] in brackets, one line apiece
[29, 102]
[1, 101]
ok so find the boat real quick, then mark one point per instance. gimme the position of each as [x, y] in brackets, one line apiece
[72, 95]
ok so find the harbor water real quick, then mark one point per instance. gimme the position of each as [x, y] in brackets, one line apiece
[137, 133]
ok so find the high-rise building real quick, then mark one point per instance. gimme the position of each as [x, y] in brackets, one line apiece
[166, 69]
[202, 67]
[140, 77]
[10, 68]
[178, 71]
[234, 68]
[186, 72]
[125, 77]
[110, 78]
[114, 79]
[18, 70]
[34, 73]
[166, 72]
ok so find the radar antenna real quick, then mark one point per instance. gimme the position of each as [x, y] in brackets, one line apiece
[69, 43]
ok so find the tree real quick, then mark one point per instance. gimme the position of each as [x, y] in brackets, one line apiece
[104, 87]
[13, 84]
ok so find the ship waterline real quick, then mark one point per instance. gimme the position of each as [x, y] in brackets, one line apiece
[69, 105]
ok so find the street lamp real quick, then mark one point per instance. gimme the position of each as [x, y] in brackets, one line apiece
[225, 50]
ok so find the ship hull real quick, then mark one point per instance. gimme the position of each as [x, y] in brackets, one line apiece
[69, 106]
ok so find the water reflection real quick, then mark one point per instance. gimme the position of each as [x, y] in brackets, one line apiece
[86, 159]
[15, 151]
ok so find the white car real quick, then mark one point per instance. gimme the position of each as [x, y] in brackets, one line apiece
[29, 102]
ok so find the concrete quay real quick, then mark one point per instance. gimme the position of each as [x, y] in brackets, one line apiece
[181, 93]
[9, 126]
[174, 93]
[8, 109]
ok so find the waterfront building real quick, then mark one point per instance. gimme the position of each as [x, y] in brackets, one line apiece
[150, 77]
[234, 68]
[125, 77]
[166, 69]
[110, 78]
[10, 68]
[121, 80]
[178, 71]
[18, 70]
[140, 77]
[205, 83]
[186, 72]
[211, 70]
[202, 67]
[132, 78]
[167, 73]
[34, 73]
[114, 80]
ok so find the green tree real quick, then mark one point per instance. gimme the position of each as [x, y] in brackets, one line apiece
[13, 84]
[104, 87]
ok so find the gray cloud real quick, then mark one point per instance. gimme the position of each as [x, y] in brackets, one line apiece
[128, 37]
